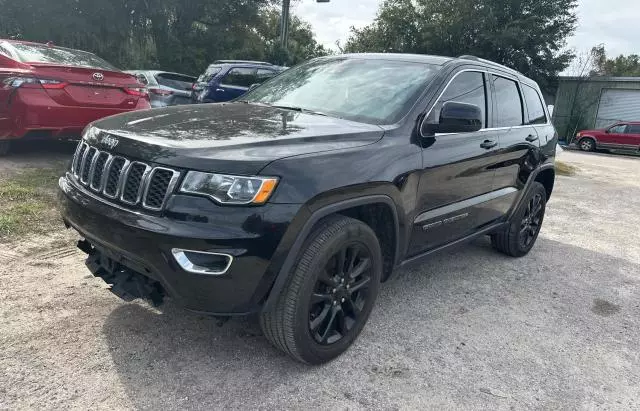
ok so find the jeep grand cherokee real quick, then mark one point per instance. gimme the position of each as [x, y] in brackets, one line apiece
[298, 200]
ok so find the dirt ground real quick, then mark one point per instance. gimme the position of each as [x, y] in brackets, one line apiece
[470, 328]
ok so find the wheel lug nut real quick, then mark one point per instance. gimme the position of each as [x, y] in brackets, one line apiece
[335, 303]
[333, 291]
[343, 300]
[348, 286]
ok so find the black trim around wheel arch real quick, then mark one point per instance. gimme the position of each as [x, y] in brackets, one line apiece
[283, 274]
[527, 187]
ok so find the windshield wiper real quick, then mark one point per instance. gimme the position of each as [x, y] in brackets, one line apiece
[300, 110]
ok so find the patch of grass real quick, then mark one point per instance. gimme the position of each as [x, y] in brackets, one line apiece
[565, 169]
[28, 202]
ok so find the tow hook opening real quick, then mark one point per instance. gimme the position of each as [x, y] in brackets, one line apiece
[124, 282]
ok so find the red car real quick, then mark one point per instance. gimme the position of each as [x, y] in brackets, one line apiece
[54, 92]
[620, 136]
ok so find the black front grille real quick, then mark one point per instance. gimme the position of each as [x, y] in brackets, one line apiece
[98, 171]
[86, 164]
[133, 182]
[120, 180]
[158, 184]
[113, 178]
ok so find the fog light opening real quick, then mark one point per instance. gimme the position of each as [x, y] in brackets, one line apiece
[200, 262]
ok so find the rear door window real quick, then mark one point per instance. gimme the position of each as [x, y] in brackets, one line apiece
[507, 101]
[535, 107]
[264, 75]
[175, 81]
[241, 77]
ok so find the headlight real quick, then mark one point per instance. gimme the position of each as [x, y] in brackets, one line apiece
[229, 189]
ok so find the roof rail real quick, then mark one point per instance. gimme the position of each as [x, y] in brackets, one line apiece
[242, 61]
[489, 62]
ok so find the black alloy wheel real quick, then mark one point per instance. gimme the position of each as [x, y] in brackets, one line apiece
[531, 221]
[330, 292]
[340, 294]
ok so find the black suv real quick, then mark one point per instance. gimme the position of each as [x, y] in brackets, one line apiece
[298, 200]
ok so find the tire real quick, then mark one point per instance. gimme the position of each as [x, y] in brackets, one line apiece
[512, 240]
[300, 326]
[587, 144]
[4, 147]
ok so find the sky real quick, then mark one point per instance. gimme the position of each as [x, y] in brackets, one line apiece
[612, 22]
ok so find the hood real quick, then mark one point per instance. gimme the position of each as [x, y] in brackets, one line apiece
[229, 138]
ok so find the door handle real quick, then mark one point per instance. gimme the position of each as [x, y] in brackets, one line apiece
[489, 144]
[219, 90]
[531, 138]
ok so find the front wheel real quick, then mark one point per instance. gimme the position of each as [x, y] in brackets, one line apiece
[587, 144]
[330, 294]
[519, 237]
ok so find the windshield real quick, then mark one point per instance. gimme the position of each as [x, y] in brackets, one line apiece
[369, 91]
[35, 53]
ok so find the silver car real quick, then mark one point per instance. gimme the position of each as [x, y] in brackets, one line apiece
[166, 89]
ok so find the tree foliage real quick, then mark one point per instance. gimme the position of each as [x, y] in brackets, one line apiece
[178, 35]
[526, 35]
[621, 66]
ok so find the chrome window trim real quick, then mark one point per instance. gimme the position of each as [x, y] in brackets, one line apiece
[484, 71]
[186, 264]
[172, 185]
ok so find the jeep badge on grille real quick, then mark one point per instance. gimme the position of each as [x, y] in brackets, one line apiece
[110, 142]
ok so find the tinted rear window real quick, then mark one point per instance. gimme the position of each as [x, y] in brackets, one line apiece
[176, 81]
[210, 73]
[35, 53]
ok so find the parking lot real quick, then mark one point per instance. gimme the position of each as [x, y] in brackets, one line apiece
[469, 328]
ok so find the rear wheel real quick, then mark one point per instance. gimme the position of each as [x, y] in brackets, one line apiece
[5, 145]
[587, 144]
[522, 232]
[330, 294]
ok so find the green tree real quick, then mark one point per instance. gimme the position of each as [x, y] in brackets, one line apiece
[177, 35]
[528, 36]
[621, 66]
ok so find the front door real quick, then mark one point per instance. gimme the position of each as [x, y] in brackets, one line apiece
[615, 137]
[458, 171]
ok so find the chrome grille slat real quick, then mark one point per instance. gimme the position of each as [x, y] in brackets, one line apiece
[120, 180]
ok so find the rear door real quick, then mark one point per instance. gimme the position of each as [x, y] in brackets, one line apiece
[235, 83]
[519, 153]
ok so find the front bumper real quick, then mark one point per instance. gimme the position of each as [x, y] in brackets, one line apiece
[143, 243]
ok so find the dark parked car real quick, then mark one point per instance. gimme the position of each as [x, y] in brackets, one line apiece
[298, 200]
[49, 92]
[166, 89]
[620, 136]
[225, 80]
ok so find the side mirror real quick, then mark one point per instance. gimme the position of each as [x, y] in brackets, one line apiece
[456, 118]
[254, 85]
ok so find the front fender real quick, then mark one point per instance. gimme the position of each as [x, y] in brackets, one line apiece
[292, 243]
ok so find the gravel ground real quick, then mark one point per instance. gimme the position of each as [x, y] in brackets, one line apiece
[470, 328]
